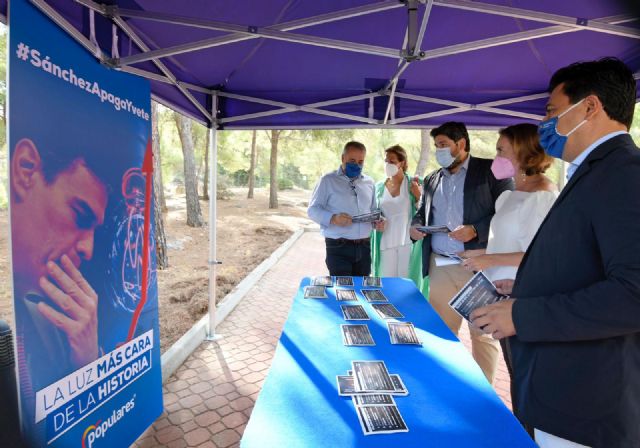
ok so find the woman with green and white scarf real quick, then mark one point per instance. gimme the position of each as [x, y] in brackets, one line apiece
[392, 252]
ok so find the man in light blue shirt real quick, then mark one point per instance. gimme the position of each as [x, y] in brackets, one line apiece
[338, 197]
[448, 209]
[460, 195]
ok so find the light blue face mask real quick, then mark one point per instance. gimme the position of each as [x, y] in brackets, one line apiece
[444, 157]
[551, 140]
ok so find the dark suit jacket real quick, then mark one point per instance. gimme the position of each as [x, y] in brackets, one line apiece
[481, 189]
[576, 353]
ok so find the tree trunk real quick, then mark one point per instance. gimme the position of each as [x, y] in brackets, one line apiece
[194, 215]
[252, 167]
[273, 170]
[205, 186]
[425, 150]
[158, 193]
[157, 161]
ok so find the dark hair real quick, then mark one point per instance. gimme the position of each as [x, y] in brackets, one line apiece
[355, 145]
[400, 153]
[526, 144]
[609, 79]
[64, 135]
[55, 163]
[455, 131]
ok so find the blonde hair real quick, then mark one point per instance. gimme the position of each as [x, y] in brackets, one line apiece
[526, 144]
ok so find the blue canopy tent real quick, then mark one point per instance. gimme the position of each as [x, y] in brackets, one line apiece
[286, 64]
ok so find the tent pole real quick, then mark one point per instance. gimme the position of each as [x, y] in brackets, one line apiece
[213, 202]
[126, 29]
[64, 24]
[309, 108]
[526, 14]
[242, 33]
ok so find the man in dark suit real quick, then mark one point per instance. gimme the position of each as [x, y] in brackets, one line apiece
[574, 321]
[461, 195]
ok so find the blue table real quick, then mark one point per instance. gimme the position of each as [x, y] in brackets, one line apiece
[450, 403]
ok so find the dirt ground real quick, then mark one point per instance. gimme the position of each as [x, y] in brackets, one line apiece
[248, 232]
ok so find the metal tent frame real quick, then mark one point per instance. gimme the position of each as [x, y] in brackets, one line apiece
[411, 53]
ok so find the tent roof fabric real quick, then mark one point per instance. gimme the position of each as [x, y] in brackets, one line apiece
[333, 63]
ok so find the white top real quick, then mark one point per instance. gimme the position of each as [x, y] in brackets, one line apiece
[517, 219]
[396, 212]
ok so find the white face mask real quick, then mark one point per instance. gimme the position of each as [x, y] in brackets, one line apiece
[390, 169]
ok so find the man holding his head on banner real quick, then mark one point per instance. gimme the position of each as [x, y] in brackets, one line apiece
[58, 199]
[574, 319]
[338, 198]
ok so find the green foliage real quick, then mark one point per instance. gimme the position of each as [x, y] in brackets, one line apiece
[223, 185]
[240, 178]
[285, 184]
[291, 173]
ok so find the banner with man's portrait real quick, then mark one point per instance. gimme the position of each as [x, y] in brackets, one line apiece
[84, 283]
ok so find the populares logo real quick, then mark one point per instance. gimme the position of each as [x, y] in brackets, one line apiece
[101, 427]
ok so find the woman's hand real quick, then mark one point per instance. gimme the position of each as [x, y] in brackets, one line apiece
[380, 225]
[471, 253]
[415, 188]
[478, 263]
[504, 286]
[416, 235]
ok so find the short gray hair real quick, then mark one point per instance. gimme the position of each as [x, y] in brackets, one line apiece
[355, 145]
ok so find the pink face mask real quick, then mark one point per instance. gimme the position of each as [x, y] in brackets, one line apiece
[502, 168]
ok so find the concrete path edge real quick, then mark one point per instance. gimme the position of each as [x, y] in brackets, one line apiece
[173, 358]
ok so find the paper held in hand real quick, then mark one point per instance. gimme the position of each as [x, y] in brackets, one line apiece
[478, 292]
[447, 260]
[434, 229]
[374, 216]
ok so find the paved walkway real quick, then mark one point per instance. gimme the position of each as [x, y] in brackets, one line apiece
[209, 399]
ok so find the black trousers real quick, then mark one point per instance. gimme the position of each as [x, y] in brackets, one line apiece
[506, 353]
[348, 257]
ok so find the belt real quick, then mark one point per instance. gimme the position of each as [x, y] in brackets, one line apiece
[348, 241]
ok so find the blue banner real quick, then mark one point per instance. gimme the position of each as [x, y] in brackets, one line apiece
[87, 338]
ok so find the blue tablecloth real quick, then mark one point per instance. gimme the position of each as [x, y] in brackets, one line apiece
[450, 403]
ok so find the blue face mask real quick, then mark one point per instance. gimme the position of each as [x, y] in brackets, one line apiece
[444, 157]
[550, 139]
[352, 170]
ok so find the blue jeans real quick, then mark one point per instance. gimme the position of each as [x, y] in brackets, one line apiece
[348, 257]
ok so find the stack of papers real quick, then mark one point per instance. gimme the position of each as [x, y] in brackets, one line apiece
[322, 281]
[403, 333]
[387, 311]
[315, 292]
[372, 282]
[374, 295]
[354, 312]
[355, 335]
[372, 388]
[344, 281]
[345, 295]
